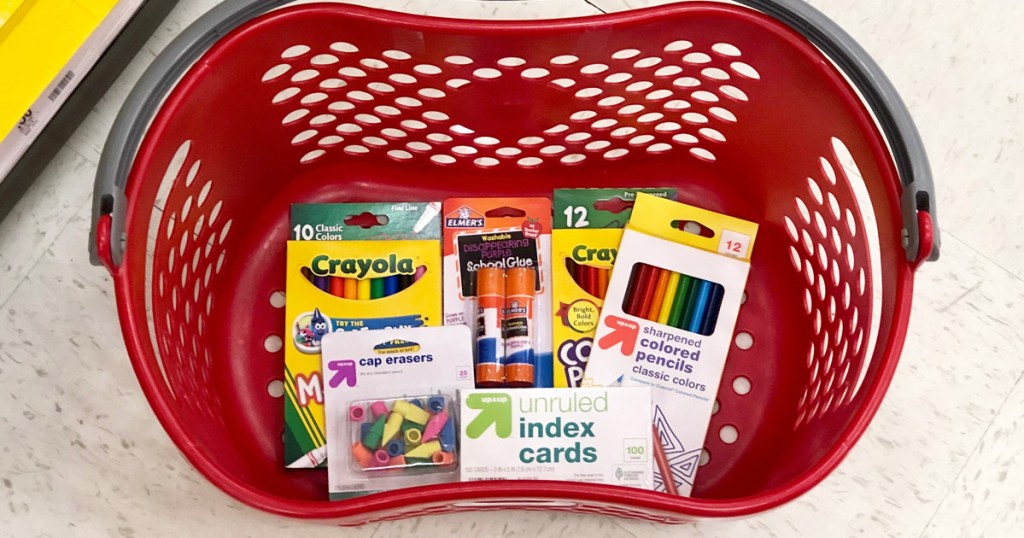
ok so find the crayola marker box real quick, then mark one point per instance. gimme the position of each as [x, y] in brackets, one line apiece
[668, 322]
[509, 303]
[584, 242]
[598, 435]
[350, 267]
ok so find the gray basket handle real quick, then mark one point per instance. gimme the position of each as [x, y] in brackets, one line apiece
[126, 134]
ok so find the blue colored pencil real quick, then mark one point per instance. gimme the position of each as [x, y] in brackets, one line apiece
[714, 305]
[701, 307]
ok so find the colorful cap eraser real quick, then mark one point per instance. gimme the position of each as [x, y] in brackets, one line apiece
[364, 429]
[417, 402]
[410, 425]
[372, 439]
[410, 412]
[434, 426]
[397, 461]
[413, 437]
[425, 450]
[362, 455]
[417, 461]
[356, 413]
[378, 409]
[396, 447]
[443, 458]
[381, 457]
[392, 426]
[435, 404]
[447, 436]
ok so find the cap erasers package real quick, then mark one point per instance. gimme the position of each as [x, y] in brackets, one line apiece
[390, 406]
[493, 249]
[584, 242]
[668, 322]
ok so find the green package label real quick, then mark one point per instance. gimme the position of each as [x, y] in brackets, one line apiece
[598, 208]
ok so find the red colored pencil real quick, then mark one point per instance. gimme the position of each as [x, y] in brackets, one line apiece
[664, 468]
[638, 299]
[647, 291]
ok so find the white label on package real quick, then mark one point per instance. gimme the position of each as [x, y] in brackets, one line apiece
[598, 435]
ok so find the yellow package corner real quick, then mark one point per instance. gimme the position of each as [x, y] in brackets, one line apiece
[37, 39]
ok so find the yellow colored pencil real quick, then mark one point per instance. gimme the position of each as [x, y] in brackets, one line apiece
[666, 299]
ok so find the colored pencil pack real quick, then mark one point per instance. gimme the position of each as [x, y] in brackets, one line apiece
[391, 407]
[584, 242]
[510, 238]
[668, 322]
[351, 267]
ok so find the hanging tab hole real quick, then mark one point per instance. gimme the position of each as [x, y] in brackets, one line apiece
[614, 205]
[367, 220]
[693, 227]
[505, 212]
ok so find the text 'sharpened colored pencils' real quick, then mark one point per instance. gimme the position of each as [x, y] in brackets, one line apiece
[659, 294]
[668, 297]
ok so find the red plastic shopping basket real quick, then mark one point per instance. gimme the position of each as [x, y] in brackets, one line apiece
[769, 114]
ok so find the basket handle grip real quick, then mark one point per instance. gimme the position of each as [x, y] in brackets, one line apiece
[109, 204]
[889, 109]
[142, 103]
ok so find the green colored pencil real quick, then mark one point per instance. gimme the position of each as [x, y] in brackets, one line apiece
[679, 301]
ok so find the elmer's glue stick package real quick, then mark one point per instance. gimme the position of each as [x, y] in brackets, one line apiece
[351, 267]
[668, 322]
[391, 407]
[497, 280]
[597, 435]
[584, 242]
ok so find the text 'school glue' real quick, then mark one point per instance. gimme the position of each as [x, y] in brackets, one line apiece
[490, 343]
[520, 359]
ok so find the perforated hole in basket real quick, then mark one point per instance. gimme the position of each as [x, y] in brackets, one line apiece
[676, 97]
[834, 249]
[186, 218]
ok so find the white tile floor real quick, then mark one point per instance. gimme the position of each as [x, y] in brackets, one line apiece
[83, 455]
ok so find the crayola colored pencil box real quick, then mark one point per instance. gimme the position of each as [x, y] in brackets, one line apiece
[350, 267]
[668, 321]
[391, 407]
[597, 435]
[510, 239]
[585, 239]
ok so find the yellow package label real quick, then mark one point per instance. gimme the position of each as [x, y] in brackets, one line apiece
[346, 286]
[710, 231]
[583, 261]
